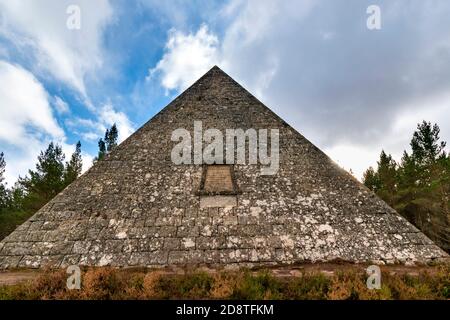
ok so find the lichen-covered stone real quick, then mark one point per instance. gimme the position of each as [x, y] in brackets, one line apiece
[9, 262]
[136, 208]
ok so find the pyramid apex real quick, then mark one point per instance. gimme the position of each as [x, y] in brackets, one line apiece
[214, 72]
[215, 68]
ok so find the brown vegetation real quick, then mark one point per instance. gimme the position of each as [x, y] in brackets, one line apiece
[119, 284]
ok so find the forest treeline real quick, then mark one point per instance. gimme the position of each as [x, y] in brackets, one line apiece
[418, 186]
[50, 176]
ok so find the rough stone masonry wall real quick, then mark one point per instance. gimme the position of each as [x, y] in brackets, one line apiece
[136, 208]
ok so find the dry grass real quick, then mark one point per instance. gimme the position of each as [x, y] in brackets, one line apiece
[119, 284]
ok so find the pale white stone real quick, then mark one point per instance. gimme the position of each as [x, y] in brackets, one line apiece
[207, 231]
[217, 201]
[255, 211]
[121, 235]
[188, 243]
[325, 228]
[261, 202]
[287, 241]
[105, 260]
[309, 219]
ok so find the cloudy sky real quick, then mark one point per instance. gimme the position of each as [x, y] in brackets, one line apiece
[351, 90]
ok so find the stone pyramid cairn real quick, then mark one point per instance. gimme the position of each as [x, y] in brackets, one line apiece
[138, 208]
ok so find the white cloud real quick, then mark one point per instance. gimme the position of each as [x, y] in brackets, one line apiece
[40, 26]
[355, 158]
[24, 106]
[26, 119]
[27, 124]
[187, 57]
[87, 129]
[77, 122]
[106, 115]
[60, 105]
[252, 24]
[358, 158]
[35, 33]
[90, 136]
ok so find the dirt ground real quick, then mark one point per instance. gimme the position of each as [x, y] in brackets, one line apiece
[13, 277]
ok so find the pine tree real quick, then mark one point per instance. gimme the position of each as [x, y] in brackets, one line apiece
[3, 190]
[387, 177]
[425, 145]
[371, 179]
[101, 150]
[2, 166]
[17, 197]
[419, 187]
[48, 179]
[74, 166]
[111, 136]
[107, 144]
[106, 139]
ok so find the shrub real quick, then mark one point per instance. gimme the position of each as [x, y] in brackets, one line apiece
[347, 283]
[310, 286]
[261, 286]
[102, 283]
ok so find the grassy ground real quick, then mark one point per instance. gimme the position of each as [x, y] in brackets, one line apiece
[107, 283]
[11, 220]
